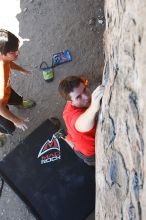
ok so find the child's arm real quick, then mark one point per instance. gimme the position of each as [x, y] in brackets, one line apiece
[19, 68]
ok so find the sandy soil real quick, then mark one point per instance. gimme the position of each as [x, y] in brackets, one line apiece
[50, 26]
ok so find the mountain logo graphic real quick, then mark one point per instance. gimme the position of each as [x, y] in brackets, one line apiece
[50, 151]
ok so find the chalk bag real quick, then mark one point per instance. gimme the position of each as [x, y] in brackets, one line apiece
[47, 71]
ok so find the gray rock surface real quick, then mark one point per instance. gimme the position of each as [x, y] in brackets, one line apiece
[121, 138]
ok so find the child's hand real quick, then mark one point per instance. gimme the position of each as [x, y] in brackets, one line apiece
[27, 72]
[21, 123]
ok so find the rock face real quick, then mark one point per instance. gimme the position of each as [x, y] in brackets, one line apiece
[121, 138]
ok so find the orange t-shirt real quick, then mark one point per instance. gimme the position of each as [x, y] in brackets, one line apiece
[5, 89]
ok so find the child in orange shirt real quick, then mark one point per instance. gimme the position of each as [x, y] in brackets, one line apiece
[9, 52]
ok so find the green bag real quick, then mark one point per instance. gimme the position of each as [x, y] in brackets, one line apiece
[47, 71]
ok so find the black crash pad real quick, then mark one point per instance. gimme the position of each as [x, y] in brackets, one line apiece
[49, 177]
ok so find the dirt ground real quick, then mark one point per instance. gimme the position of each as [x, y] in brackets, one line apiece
[47, 27]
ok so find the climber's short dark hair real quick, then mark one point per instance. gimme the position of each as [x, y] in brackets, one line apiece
[68, 84]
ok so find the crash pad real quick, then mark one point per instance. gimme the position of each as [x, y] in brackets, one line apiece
[49, 177]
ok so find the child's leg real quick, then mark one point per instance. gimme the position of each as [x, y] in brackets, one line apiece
[18, 101]
[15, 99]
[6, 126]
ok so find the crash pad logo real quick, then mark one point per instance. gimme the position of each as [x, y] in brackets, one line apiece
[50, 151]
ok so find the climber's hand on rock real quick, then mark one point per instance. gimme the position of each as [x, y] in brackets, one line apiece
[96, 97]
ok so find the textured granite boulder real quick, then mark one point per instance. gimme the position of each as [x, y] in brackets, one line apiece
[120, 138]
